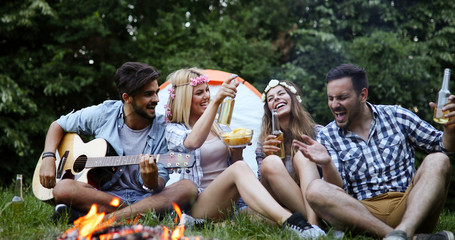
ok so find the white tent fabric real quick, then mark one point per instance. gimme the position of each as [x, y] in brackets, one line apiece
[247, 113]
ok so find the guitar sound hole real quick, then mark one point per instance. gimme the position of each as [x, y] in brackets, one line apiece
[79, 164]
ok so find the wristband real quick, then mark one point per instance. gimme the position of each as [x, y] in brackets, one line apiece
[48, 154]
[147, 189]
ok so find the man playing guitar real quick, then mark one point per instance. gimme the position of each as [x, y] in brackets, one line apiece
[131, 127]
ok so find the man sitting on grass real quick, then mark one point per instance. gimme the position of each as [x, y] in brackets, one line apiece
[131, 127]
[372, 146]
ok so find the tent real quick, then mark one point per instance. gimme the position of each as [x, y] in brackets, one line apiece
[247, 113]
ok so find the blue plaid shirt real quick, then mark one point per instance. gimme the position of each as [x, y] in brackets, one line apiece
[384, 163]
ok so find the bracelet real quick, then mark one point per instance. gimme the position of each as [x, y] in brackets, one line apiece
[48, 154]
[147, 189]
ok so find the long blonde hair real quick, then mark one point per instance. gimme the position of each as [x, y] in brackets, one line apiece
[300, 121]
[180, 105]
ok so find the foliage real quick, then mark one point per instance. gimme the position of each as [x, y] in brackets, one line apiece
[57, 56]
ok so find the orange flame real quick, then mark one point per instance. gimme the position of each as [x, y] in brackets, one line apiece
[165, 235]
[178, 232]
[94, 221]
[115, 202]
[178, 211]
[87, 224]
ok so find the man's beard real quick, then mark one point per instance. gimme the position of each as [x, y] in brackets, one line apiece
[141, 112]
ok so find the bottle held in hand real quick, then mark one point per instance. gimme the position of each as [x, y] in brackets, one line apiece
[443, 99]
[225, 113]
[278, 133]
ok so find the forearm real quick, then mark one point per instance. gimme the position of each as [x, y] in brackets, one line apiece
[159, 184]
[202, 127]
[331, 174]
[236, 155]
[448, 138]
[53, 137]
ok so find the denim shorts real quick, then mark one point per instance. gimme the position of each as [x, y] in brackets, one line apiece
[129, 196]
[241, 205]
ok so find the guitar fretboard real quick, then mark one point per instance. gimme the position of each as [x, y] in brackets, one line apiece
[112, 161]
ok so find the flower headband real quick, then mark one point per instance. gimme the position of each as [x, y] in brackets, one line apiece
[273, 83]
[198, 80]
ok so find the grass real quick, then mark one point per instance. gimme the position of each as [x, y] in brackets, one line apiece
[33, 222]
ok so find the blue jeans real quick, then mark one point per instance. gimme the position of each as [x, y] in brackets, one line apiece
[129, 196]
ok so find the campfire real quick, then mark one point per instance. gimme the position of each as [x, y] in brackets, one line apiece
[94, 226]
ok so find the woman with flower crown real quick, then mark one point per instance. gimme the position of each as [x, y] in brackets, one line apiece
[220, 173]
[286, 179]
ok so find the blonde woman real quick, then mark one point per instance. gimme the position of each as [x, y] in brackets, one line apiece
[220, 173]
[286, 179]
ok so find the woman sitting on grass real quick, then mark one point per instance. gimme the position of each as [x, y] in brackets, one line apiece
[286, 179]
[192, 128]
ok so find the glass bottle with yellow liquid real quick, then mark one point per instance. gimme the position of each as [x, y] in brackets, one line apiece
[17, 203]
[278, 133]
[225, 113]
[443, 99]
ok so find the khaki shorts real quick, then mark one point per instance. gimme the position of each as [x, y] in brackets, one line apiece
[388, 207]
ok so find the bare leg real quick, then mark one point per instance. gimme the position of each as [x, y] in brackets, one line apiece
[341, 210]
[307, 172]
[426, 199]
[237, 180]
[183, 193]
[280, 184]
[81, 196]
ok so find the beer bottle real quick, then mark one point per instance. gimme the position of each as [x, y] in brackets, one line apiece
[443, 99]
[17, 203]
[278, 133]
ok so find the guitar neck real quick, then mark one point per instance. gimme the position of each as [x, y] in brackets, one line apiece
[112, 161]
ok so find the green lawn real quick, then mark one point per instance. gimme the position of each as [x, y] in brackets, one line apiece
[33, 222]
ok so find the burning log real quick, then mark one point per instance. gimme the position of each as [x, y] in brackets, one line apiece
[121, 232]
[125, 232]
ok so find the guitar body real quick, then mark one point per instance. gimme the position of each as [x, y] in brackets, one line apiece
[69, 150]
[80, 161]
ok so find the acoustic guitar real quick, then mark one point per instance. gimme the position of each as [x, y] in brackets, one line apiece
[75, 159]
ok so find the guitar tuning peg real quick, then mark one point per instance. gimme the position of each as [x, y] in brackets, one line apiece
[187, 170]
[171, 171]
[179, 171]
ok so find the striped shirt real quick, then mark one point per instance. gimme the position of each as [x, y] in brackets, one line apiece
[385, 162]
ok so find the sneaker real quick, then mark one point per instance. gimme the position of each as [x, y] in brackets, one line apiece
[62, 210]
[297, 223]
[397, 235]
[337, 234]
[190, 222]
[444, 235]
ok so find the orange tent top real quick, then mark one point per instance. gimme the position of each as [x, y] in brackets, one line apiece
[217, 78]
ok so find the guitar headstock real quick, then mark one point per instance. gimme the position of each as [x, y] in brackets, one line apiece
[176, 160]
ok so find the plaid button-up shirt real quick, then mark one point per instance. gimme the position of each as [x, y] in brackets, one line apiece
[385, 162]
